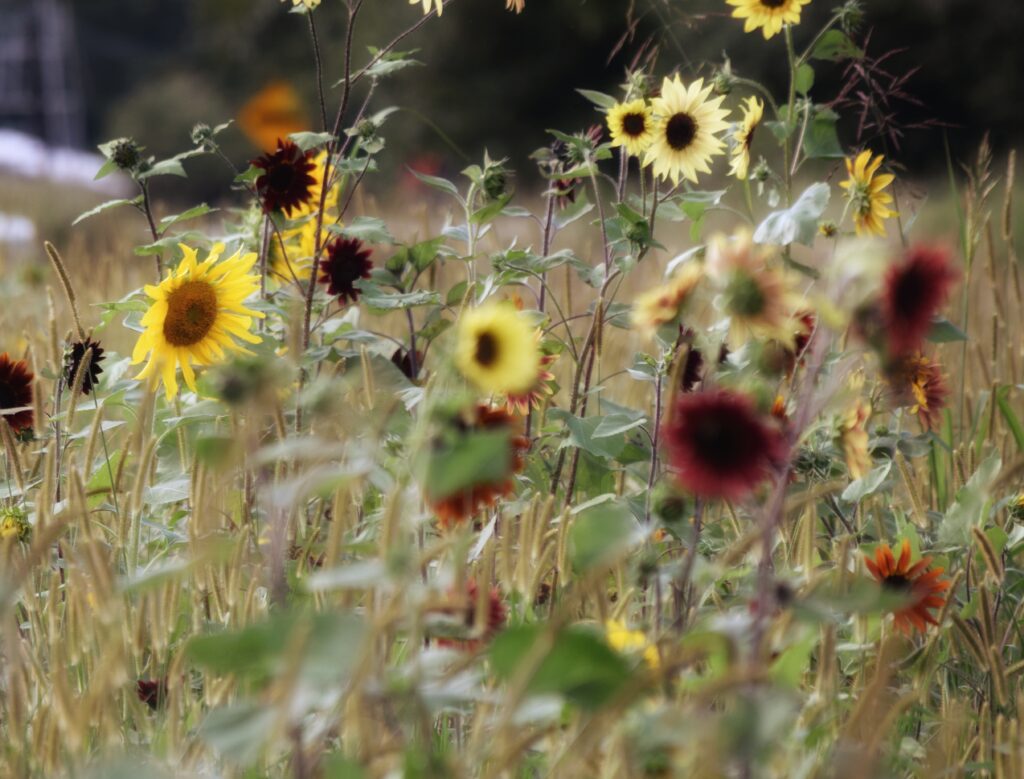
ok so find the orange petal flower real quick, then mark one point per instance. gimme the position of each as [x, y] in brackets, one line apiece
[921, 586]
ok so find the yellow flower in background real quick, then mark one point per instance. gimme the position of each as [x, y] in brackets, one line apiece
[428, 5]
[196, 316]
[865, 191]
[272, 114]
[753, 112]
[663, 304]
[853, 433]
[688, 119]
[295, 259]
[627, 641]
[631, 126]
[496, 349]
[769, 15]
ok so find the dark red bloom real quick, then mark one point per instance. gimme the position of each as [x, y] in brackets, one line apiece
[152, 692]
[465, 606]
[917, 383]
[73, 359]
[346, 260]
[693, 369]
[287, 180]
[719, 446]
[459, 507]
[402, 359]
[914, 291]
[16, 393]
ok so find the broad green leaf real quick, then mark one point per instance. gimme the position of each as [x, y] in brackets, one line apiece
[438, 183]
[478, 457]
[600, 99]
[109, 205]
[238, 732]
[804, 79]
[836, 45]
[192, 213]
[970, 507]
[310, 140]
[798, 224]
[603, 534]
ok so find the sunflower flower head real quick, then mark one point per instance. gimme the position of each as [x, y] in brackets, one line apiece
[719, 446]
[631, 126]
[286, 183]
[922, 588]
[346, 261]
[196, 316]
[688, 121]
[743, 137]
[914, 290]
[918, 384]
[767, 15]
[14, 524]
[16, 394]
[496, 349]
[865, 191]
[622, 639]
[543, 387]
[73, 358]
[666, 303]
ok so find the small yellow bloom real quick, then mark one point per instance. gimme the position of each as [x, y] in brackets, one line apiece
[197, 314]
[753, 112]
[627, 641]
[686, 129]
[631, 126]
[768, 15]
[496, 349]
[865, 191]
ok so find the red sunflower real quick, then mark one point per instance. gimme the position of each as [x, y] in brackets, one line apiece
[16, 393]
[921, 587]
[456, 508]
[914, 291]
[287, 180]
[346, 260]
[719, 446]
[464, 605]
[918, 384]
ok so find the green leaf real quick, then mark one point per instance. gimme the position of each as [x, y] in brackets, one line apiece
[821, 140]
[184, 216]
[376, 297]
[969, 509]
[836, 45]
[1012, 421]
[601, 535]
[804, 79]
[310, 140]
[438, 183]
[110, 204]
[369, 229]
[600, 99]
[171, 167]
[581, 434]
[579, 664]
[798, 224]
[478, 457]
[486, 213]
[238, 732]
[943, 331]
[866, 484]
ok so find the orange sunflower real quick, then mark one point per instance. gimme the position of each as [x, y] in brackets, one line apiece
[921, 587]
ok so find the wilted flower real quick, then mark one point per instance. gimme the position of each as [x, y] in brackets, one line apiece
[345, 261]
[914, 291]
[719, 446]
[73, 360]
[921, 587]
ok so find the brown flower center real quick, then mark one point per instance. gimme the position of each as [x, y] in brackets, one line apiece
[191, 312]
[281, 177]
[634, 125]
[897, 583]
[486, 349]
[680, 131]
[773, 3]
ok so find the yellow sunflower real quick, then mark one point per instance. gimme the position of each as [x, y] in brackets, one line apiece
[622, 639]
[294, 260]
[769, 15]
[631, 126]
[865, 191]
[684, 132]
[664, 303]
[753, 112]
[196, 315]
[428, 5]
[496, 349]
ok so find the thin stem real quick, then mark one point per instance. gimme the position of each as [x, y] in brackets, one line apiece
[319, 71]
[791, 58]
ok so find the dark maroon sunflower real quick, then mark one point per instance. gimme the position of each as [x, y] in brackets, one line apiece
[914, 291]
[719, 446]
[152, 692]
[287, 180]
[346, 260]
[16, 393]
[73, 360]
[464, 605]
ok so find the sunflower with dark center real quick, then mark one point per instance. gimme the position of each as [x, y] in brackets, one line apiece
[631, 126]
[918, 384]
[16, 394]
[767, 15]
[865, 191]
[920, 588]
[686, 130]
[719, 446]
[345, 261]
[73, 358]
[915, 290]
[287, 181]
[197, 315]
[497, 349]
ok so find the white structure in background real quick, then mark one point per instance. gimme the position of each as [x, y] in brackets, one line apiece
[27, 157]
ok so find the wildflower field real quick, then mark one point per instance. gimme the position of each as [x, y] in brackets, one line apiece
[702, 457]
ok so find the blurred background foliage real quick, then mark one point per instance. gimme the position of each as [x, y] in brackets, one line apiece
[153, 68]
